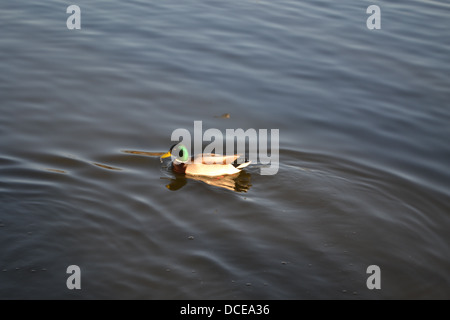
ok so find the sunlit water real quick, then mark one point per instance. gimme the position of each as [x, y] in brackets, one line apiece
[364, 173]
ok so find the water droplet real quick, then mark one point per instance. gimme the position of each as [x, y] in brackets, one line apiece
[248, 284]
[284, 262]
[344, 291]
[355, 293]
[191, 237]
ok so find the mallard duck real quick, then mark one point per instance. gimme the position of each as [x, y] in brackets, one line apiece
[210, 164]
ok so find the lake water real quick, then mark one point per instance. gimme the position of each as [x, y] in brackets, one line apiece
[364, 120]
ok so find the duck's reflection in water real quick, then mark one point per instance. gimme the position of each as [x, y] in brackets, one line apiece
[240, 182]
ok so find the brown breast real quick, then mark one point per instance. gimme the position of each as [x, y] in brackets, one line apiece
[179, 167]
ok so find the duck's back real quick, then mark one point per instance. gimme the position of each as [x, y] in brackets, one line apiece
[210, 169]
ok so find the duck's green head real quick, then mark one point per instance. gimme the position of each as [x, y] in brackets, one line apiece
[177, 151]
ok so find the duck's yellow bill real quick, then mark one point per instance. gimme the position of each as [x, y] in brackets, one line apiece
[166, 155]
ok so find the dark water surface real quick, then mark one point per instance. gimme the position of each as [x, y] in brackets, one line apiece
[364, 179]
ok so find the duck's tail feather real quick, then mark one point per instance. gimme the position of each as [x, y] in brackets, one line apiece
[242, 165]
